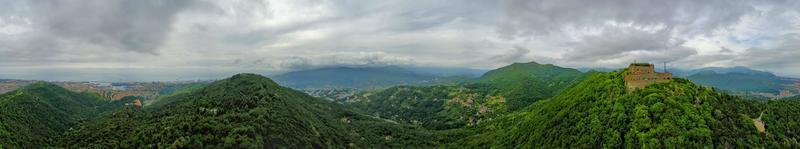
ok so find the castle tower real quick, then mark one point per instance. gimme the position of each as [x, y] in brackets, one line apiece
[639, 75]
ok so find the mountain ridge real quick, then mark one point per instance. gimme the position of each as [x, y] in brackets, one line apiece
[600, 112]
[352, 77]
[244, 111]
[34, 114]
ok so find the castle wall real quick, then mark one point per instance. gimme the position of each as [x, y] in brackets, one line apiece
[641, 75]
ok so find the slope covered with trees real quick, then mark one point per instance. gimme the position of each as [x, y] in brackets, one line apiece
[244, 111]
[525, 83]
[600, 113]
[173, 94]
[31, 117]
[441, 107]
[252, 111]
[433, 107]
[782, 121]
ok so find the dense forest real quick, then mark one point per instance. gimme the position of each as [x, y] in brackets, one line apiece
[434, 107]
[440, 107]
[526, 83]
[30, 117]
[601, 113]
[580, 110]
[244, 111]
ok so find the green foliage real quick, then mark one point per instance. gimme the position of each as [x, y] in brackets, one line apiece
[115, 104]
[30, 117]
[782, 120]
[519, 106]
[600, 113]
[244, 111]
[440, 107]
[433, 107]
[173, 94]
[525, 83]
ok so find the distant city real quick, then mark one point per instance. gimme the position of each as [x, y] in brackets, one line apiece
[109, 90]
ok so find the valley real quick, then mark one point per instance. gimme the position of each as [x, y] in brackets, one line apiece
[519, 105]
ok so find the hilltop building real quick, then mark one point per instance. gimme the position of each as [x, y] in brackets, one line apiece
[640, 75]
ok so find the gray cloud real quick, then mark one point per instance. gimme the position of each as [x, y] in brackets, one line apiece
[518, 54]
[615, 41]
[616, 46]
[273, 36]
[781, 58]
[357, 59]
[139, 26]
[525, 17]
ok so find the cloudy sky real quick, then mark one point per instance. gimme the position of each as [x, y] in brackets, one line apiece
[120, 40]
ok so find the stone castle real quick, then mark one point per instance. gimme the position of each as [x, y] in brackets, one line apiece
[640, 75]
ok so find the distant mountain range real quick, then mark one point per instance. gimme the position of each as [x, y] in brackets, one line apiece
[744, 81]
[369, 77]
[737, 80]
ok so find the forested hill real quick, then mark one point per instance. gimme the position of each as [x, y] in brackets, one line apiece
[453, 106]
[32, 116]
[525, 83]
[600, 113]
[244, 111]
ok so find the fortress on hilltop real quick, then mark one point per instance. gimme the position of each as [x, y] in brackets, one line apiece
[640, 75]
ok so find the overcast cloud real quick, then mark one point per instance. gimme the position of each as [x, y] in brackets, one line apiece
[121, 40]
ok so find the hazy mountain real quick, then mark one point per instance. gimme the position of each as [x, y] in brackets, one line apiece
[743, 81]
[448, 71]
[353, 77]
[720, 70]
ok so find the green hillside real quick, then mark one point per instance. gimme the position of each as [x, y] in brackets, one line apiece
[173, 94]
[32, 116]
[244, 111]
[433, 107]
[525, 83]
[595, 110]
[441, 107]
[600, 113]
